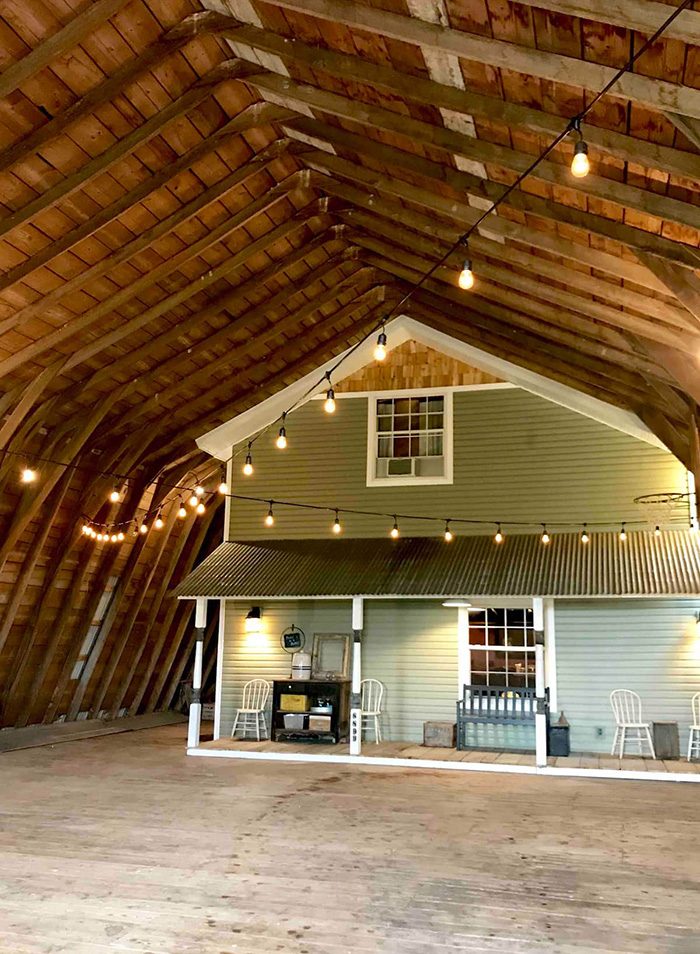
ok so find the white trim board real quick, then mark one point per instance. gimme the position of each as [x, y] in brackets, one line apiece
[432, 764]
[218, 442]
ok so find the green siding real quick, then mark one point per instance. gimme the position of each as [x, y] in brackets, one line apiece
[650, 646]
[516, 457]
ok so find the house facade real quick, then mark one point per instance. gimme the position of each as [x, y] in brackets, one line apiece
[406, 440]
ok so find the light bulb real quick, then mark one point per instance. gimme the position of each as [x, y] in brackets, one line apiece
[115, 496]
[120, 536]
[200, 508]
[466, 276]
[329, 406]
[657, 531]
[28, 475]
[545, 536]
[85, 528]
[182, 513]
[282, 438]
[380, 349]
[336, 524]
[199, 490]
[448, 533]
[143, 528]
[113, 538]
[99, 536]
[623, 534]
[395, 530]
[223, 486]
[193, 501]
[158, 522]
[270, 518]
[580, 166]
[584, 535]
[498, 538]
[248, 466]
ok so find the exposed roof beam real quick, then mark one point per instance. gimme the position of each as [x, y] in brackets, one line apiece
[658, 94]
[681, 282]
[69, 36]
[246, 40]
[298, 95]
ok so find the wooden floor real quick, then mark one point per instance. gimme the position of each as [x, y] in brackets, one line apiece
[124, 844]
[409, 750]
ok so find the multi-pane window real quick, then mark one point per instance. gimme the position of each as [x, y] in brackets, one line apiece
[502, 647]
[410, 436]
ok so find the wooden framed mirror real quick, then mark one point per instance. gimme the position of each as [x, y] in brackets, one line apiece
[331, 656]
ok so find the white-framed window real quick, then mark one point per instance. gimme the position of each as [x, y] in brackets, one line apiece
[409, 438]
[502, 648]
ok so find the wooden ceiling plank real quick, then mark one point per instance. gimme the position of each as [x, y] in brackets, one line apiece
[257, 114]
[65, 39]
[246, 40]
[681, 282]
[657, 94]
[429, 135]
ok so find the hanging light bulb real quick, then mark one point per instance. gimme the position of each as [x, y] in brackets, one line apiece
[336, 524]
[623, 533]
[448, 533]
[657, 531]
[120, 536]
[199, 490]
[499, 536]
[182, 513]
[158, 522]
[395, 530]
[193, 501]
[223, 486]
[282, 436]
[143, 528]
[545, 536]
[115, 496]
[380, 348]
[466, 276]
[86, 529]
[580, 166]
[99, 536]
[270, 518]
[113, 538]
[248, 466]
[329, 405]
[584, 535]
[28, 475]
[200, 508]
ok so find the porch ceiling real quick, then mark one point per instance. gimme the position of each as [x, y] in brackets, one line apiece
[473, 566]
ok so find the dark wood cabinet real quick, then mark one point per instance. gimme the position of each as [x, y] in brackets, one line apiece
[333, 725]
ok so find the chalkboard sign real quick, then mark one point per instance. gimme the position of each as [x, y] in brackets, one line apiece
[293, 639]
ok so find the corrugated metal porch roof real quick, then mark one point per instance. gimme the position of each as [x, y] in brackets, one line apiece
[643, 565]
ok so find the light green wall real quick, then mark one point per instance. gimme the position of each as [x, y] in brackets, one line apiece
[516, 457]
[650, 646]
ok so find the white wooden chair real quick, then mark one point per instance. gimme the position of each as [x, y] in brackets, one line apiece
[371, 691]
[627, 708]
[694, 734]
[252, 713]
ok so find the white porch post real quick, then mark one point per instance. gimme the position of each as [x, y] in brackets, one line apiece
[355, 700]
[200, 622]
[541, 714]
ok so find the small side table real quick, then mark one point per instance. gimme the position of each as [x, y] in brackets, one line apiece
[666, 740]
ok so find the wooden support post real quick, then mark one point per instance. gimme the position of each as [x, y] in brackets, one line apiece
[541, 714]
[355, 688]
[200, 622]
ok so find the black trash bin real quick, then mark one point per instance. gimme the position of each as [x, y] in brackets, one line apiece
[558, 737]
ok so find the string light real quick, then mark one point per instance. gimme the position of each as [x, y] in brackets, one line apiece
[248, 466]
[380, 348]
[193, 501]
[143, 528]
[336, 524]
[282, 436]
[466, 276]
[115, 496]
[584, 535]
[113, 538]
[199, 490]
[580, 166]
[28, 475]
[182, 513]
[657, 531]
[200, 508]
[395, 530]
[448, 533]
[158, 522]
[329, 404]
[623, 533]
[545, 536]
[223, 486]
[499, 536]
[270, 518]
[120, 536]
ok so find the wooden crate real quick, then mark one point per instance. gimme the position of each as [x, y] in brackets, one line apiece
[440, 734]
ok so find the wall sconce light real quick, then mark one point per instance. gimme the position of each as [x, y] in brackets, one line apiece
[253, 621]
